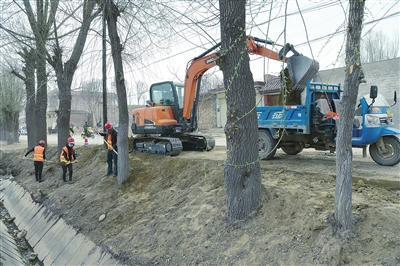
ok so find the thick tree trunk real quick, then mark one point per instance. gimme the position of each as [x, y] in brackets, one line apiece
[41, 94]
[29, 72]
[116, 49]
[242, 169]
[65, 73]
[344, 156]
[40, 28]
[64, 82]
[29, 58]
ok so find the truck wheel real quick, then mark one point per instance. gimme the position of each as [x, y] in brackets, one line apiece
[291, 150]
[266, 145]
[388, 157]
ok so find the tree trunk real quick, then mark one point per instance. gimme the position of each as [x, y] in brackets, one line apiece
[104, 69]
[65, 73]
[242, 169]
[112, 14]
[41, 94]
[64, 81]
[344, 155]
[29, 72]
[29, 58]
[40, 28]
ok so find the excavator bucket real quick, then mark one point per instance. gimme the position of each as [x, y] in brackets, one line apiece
[301, 69]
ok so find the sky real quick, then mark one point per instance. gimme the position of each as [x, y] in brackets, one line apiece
[316, 32]
[322, 19]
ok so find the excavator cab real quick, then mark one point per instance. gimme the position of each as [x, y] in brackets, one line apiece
[167, 93]
[162, 115]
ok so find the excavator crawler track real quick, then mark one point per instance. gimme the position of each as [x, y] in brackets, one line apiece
[195, 142]
[158, 145]
[172, 146]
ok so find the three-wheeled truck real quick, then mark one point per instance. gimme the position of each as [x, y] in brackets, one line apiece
[312, 124]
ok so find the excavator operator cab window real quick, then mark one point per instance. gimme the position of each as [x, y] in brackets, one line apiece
[162, 94]
[167, 93]
[180, 92]
[168, 98]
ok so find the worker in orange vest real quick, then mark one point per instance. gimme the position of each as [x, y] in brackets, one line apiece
[39, 157]
[67, 157]
[111, 138]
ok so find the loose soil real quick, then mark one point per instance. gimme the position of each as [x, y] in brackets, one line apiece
[172, 210]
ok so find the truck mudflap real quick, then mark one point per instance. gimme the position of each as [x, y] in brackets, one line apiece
[158, 145]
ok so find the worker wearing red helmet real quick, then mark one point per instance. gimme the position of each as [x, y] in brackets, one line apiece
[67, 157]
[110, 138]
[39, 156]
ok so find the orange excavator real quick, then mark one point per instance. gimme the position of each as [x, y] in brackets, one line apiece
[166, 125]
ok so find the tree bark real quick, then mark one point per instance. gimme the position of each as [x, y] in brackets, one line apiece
[344, 155]
[40, 29]
[242, 169]
[65, 72]
[112, 14]
[104, 69]
[29, 71]
[29, 58]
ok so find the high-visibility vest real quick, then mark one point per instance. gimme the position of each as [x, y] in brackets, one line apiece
[65, 151]
[38, 154]
[109, 141]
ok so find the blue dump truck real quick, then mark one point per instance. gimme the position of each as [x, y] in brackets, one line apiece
[312, 124]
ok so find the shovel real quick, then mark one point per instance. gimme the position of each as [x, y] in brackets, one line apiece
[108, 145]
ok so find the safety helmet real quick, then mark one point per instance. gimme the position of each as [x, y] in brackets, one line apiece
[42, 143]
[71, 140]
[108, 126]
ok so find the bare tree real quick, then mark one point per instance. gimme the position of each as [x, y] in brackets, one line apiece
[11, 96]
[112, 13]
[92, 97]
[31, 44]
[242, 168]
[378, 46]
[28, 77]
[40, 26]
[141, 90]
[65, 71]
[354, 75]
[210, 81]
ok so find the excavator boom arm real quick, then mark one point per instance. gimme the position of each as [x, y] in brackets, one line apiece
[196, 69]
[205, 61]
[300, 67]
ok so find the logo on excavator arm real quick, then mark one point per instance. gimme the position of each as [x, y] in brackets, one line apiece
[212, 59]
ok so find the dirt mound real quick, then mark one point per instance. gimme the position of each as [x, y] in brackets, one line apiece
[172, 210]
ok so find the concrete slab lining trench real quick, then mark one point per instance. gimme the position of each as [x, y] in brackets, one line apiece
[55, 242]
[9, 252]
